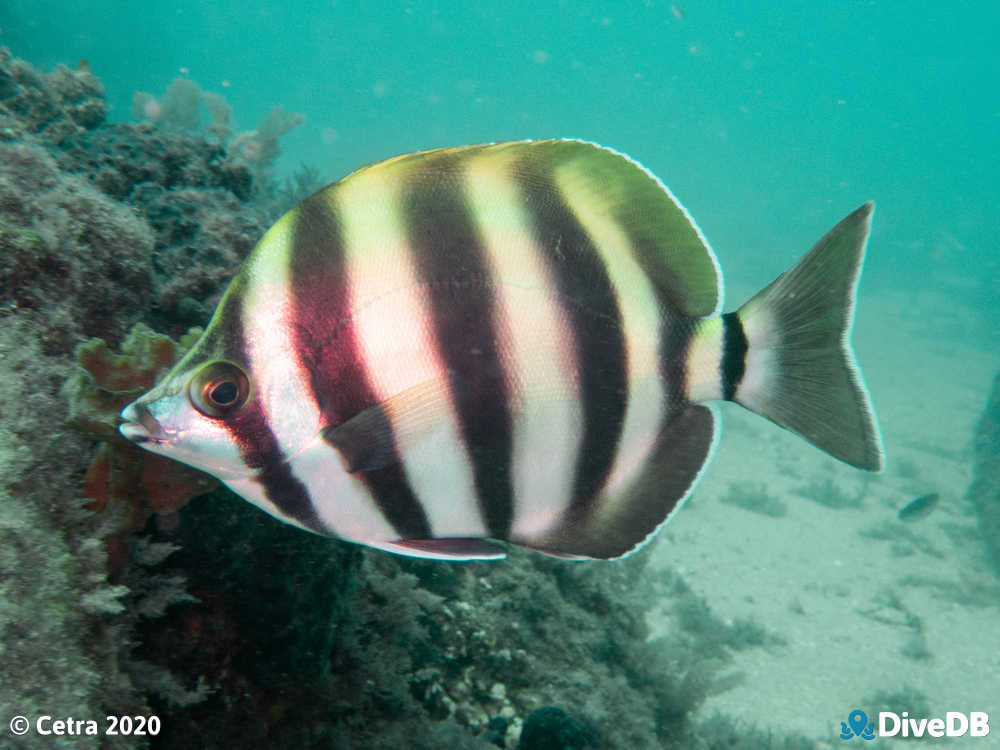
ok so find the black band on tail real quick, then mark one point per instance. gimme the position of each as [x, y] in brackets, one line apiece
[734, 354]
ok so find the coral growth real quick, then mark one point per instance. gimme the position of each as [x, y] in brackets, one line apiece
[260, 146]
[96, 222]
[69, 250]
[551, 727]
[55, 105]
[195, 202]
[369, 650]
[193, 211]
[59, 631]
[121, 472]
[179, 110]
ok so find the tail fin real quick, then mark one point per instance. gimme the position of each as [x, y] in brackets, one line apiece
[800, 368]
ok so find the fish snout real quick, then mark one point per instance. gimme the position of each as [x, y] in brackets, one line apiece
[139, 425]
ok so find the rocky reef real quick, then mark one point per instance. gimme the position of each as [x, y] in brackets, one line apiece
[229, 626]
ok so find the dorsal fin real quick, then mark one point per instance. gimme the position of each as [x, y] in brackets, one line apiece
[603, 183]
[665, 241]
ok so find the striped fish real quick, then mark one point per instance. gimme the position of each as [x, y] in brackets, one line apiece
[514, 341]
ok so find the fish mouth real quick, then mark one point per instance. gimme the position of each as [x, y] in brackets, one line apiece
[140, 426]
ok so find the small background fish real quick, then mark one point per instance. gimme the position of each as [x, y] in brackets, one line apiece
[919, 507]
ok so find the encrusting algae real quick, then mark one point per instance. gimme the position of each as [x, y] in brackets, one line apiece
[120, 472]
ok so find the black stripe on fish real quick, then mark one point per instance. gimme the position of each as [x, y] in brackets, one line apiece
[453, 264]
[733, 364]
[588, 298]
[330, 353]
[675, 328]
[257, 443]
[649, 250]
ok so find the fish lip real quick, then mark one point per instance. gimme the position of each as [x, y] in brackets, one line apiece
[136, 433]
[140, 426]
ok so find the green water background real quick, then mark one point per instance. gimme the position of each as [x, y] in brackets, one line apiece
[769, 121]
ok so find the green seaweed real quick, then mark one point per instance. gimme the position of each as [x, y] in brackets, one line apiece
[694, 616]
[904, 541]
[720, 732]
[828, 493]
[753, 496]
[967, 591]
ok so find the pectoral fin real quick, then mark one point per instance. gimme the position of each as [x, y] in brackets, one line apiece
[368, 440]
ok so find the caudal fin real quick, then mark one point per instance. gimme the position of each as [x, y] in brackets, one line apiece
[800, 368]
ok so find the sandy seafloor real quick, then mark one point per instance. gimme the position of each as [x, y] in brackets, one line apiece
[844, 602]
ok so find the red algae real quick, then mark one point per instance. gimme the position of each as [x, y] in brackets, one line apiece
[120, 472]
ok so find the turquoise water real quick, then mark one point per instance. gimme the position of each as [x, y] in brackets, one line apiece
[769, 123]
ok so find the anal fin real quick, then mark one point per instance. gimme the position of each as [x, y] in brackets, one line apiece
[455, 550]
[619, 524]
[557, 555]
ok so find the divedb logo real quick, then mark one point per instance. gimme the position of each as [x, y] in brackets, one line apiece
[954, 724]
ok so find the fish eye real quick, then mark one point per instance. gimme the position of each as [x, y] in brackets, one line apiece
[219, 389]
